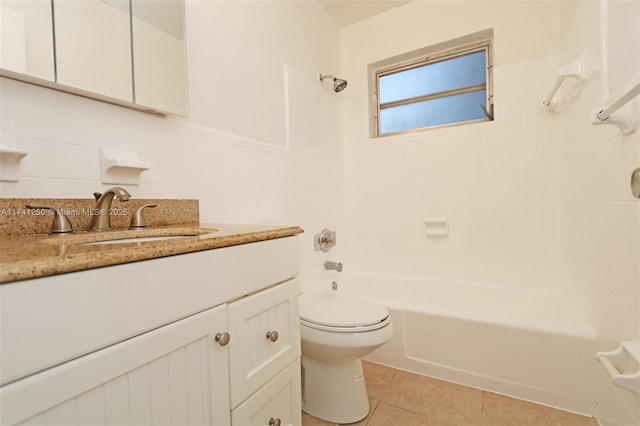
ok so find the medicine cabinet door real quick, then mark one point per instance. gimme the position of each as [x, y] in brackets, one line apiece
[26, 37]
[159, 52]
[93, 46]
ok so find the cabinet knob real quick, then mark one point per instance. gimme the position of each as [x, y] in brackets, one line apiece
[223, 338]
[274, 422]
[273, 336]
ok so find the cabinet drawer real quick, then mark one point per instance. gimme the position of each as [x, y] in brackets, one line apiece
[255, 353]
[278, 399]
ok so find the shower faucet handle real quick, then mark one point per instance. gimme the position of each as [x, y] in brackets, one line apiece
[324, 240]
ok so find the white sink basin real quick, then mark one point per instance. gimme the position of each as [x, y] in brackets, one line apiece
[137, 240]
[128, 236]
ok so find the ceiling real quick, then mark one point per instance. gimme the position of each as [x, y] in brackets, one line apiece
[347, 12]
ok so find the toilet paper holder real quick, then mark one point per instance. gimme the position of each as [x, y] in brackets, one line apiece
[623, 365]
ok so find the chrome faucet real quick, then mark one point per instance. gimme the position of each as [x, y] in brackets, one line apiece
[101, 219]
[329, 265]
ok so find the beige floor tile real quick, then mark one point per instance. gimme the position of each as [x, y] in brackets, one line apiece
[442, 402]
[501, 410]
[386, 415]
[309, 420]
[373, 405]
[377, 377]
[408, 399]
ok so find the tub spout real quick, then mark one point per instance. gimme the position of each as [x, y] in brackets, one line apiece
[328, 265]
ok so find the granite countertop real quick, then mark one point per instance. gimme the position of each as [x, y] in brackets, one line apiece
[24, 257]
[27, 250]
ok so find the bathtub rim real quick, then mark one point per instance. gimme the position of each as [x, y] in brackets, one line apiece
[568, 322]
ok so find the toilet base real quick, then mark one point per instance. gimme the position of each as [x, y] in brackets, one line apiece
[334, 392]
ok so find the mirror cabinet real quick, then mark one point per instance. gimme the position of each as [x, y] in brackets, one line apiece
[160, 76]
[128, 52]
[26, 38]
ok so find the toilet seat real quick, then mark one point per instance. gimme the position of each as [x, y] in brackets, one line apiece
[339, 313]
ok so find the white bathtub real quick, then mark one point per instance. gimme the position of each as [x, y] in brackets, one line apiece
[529, 344]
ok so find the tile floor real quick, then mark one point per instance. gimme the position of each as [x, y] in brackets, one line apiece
[399, 398]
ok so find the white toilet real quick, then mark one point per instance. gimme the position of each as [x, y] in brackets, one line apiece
[336, 331]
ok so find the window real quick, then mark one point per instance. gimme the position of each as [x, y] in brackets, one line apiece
[443, 87]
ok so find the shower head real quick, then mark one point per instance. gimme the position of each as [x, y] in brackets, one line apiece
[338, 83]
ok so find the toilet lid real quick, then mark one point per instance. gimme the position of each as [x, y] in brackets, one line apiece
[333, 309]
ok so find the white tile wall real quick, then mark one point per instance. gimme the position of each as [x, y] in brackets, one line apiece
[601, 241]
[242, 172]
[495, 182]
[535, 198]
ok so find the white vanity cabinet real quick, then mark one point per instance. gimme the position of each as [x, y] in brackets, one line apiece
[145, 342]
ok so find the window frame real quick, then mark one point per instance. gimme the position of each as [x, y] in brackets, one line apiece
[432, 57]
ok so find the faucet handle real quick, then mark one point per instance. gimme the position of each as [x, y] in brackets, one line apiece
[61, 223]
[324, 240]
[138, 220]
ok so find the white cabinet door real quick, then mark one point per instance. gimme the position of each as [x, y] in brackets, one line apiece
[277, 400]
[174, 375]
[255, 353]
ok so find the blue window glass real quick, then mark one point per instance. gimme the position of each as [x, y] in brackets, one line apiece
[434, 112]
[451, 74]
[440, 91]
